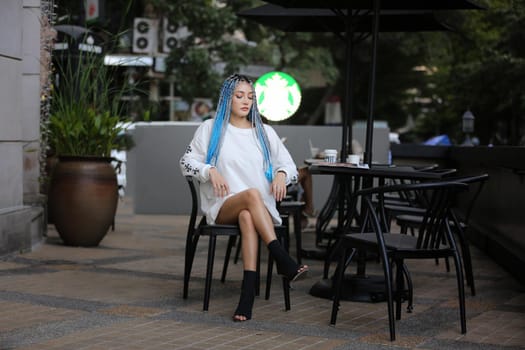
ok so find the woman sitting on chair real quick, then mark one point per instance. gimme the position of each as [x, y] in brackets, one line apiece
[243, 168]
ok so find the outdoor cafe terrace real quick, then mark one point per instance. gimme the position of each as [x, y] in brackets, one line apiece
[127, 294]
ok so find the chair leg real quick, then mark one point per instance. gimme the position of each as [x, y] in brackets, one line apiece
[447, 262]
[269, 274]
[330, 254]
[286, 293]
[467, 261]
[337, 286]
[191, 247]
[231, 243]
[286, 285]
[237, 251]
[187, 271]
[400, 286]
[410, 288]
[284, 238]
[461, 293]
[258, 269]
[298, 235]
[209, 271]
[390, 299]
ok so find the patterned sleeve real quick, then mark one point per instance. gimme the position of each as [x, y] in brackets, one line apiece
[193, 161]
[281, 158]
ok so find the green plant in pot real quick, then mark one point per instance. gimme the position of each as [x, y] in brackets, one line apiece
[83, 128]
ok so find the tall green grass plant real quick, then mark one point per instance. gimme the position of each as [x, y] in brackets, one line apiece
[86, 116]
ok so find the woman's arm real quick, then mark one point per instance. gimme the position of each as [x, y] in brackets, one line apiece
[193, 162]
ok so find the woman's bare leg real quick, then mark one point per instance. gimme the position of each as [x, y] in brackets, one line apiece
[305, 179]
[251, 201]
[248, 210]
[250, 241]
[238, 209]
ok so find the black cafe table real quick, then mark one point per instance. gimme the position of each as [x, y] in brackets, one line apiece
[380, 171]
[347, 179]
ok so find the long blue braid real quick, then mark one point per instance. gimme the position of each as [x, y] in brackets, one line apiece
[222, 119]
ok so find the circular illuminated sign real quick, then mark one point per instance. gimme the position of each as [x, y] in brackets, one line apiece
[278, 95]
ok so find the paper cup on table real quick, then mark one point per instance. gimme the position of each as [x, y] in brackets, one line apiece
[353, 159]
[330, 155]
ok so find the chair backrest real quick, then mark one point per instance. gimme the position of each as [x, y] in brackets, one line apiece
[202, 226]
[194, 204]
[476, 184]
[435, 226]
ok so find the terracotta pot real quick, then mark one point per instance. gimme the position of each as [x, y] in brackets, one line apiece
[83, 199]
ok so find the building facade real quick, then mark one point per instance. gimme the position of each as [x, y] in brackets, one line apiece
[21, 207]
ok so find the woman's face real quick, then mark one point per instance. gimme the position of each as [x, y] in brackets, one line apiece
[242, 100]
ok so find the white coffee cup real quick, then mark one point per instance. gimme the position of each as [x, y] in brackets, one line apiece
[353, 159]
[330, 155]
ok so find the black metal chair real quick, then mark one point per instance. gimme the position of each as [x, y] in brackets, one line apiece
[459, 223]
[213, 231]
[434, 240]
[406, 202]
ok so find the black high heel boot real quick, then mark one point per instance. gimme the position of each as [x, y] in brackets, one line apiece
[247, 296]
[286, 266]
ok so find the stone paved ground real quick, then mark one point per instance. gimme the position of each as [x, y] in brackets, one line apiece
[126, 294]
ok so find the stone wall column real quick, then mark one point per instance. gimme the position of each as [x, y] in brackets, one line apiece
[20, 224]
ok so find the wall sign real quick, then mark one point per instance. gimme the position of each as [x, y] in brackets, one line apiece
[278, 95]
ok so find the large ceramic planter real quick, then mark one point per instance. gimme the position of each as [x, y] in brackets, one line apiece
[83, 199]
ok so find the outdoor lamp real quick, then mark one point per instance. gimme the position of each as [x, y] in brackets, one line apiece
[468, 127]
[468, 122]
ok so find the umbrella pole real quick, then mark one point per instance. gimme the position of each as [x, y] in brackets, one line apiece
[371, 92]
[348, 115]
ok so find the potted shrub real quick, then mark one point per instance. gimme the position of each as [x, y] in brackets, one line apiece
[83, 128]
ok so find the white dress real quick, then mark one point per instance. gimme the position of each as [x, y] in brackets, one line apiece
[240, 163]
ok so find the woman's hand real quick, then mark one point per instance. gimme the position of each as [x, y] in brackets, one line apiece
[220, 187]
[278, 186]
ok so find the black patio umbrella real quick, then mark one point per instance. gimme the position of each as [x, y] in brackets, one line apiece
[386, 5]
[359, 16]
[346, 18]
[324, 20]
[345, 23]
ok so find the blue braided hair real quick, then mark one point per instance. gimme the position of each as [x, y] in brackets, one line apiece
[222, 119]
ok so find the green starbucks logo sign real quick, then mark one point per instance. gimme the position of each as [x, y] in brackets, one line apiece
[278, 95]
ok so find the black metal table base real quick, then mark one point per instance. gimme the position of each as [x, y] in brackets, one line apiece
[370, 289]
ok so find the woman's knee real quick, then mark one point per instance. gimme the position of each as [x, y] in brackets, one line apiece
[252, 195]
[245, 218]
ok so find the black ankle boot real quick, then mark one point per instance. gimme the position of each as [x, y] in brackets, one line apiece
[247, 296]
[286, 266]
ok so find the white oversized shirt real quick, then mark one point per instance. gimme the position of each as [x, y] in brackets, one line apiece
[240, 162]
